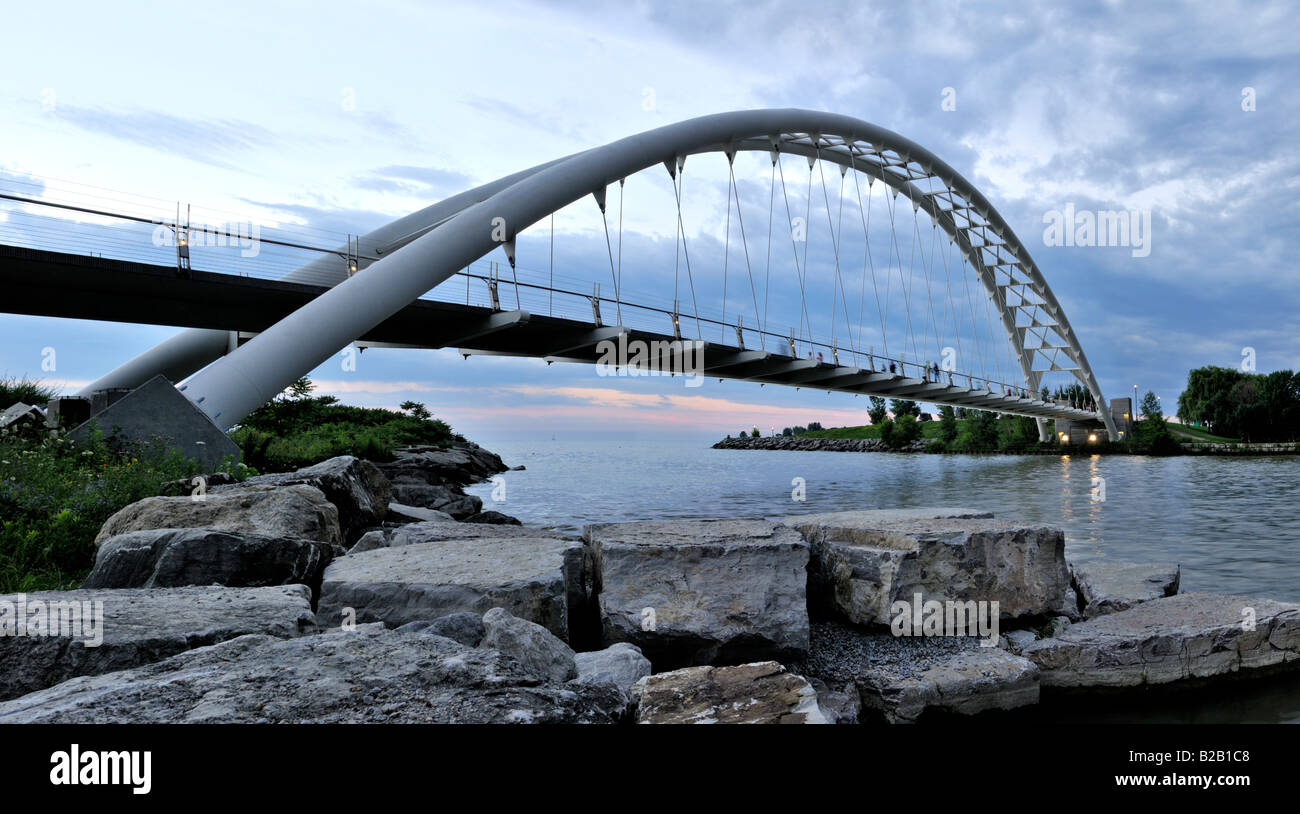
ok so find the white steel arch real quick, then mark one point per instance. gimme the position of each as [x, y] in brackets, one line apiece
[430, 246]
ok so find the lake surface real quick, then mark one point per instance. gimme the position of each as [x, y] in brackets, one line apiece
[1232, 523]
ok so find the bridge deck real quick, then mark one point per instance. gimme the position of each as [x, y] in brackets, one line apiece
[55, 284]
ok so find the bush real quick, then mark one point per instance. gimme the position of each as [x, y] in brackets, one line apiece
[887, 430]
[908, 429]
[55, 495]
[299, 429]
[980, 433]
[1017, 433]
[899, 432]
[13, 391]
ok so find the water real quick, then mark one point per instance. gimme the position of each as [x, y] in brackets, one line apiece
[1233, 524]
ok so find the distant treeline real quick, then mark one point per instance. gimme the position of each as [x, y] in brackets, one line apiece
[1237, 404]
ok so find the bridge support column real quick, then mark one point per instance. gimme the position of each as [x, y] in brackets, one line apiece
[1043, 434]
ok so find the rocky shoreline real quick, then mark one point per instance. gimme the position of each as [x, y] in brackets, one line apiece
[359, 592]
[804, 444]
[800, 443]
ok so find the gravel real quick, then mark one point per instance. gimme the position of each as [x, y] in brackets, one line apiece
[841, 653]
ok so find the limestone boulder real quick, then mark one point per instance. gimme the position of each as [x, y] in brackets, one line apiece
[758, 693]
[402, 513]
[169, 558]
[621, 664]
[702, 591]
[438, 497]
[298, 511]
[1193, 636]
[543, 580]
[357, 489]
[369, 675]
[380, 538]
[530, 644]
[839, 705]
[120, 629]
[459, 463]
[464, 627]
[865, 561]
[437, 530]
[1108, 586]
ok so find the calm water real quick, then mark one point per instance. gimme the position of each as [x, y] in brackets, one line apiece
[1232, 523]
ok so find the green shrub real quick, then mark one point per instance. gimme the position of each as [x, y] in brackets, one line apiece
[56, 494]
[907, 429]
[887, 431]
[299, 430]
[13, 391]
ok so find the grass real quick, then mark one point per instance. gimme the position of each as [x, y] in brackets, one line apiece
[929, 429]
[28, 392]
[55, 494]
[54, 497]
[1198, 434]
[300, 430]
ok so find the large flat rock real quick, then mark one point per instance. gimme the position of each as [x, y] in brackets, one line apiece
[864, 561]
[1108, 586]
[299, 511]
[759, 693]
[541, 579]
[369, 675]
[167, 558]
[1176, 638]
[431, 531]
[703, 591]
[836, 524]
[139, 627]
[902, 678]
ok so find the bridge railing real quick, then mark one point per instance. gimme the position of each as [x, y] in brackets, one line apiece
[82, 221]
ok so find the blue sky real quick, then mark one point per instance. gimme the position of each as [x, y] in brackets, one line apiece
[330, 118]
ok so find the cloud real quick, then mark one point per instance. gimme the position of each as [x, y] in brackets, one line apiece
[421, 181]
[219, 142]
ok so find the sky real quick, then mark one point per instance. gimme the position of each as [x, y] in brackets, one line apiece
[328, 119]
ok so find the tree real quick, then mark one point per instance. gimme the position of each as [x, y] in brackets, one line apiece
[902, 407]
[417, 410]
[1252, 406]
[878, 411]
[981, 432]
[754, 432]
[814, 426]
[947, 424]
[1150, 406]
[907, 429]
[300, 389]
[1017, 432]
[1207, 399]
